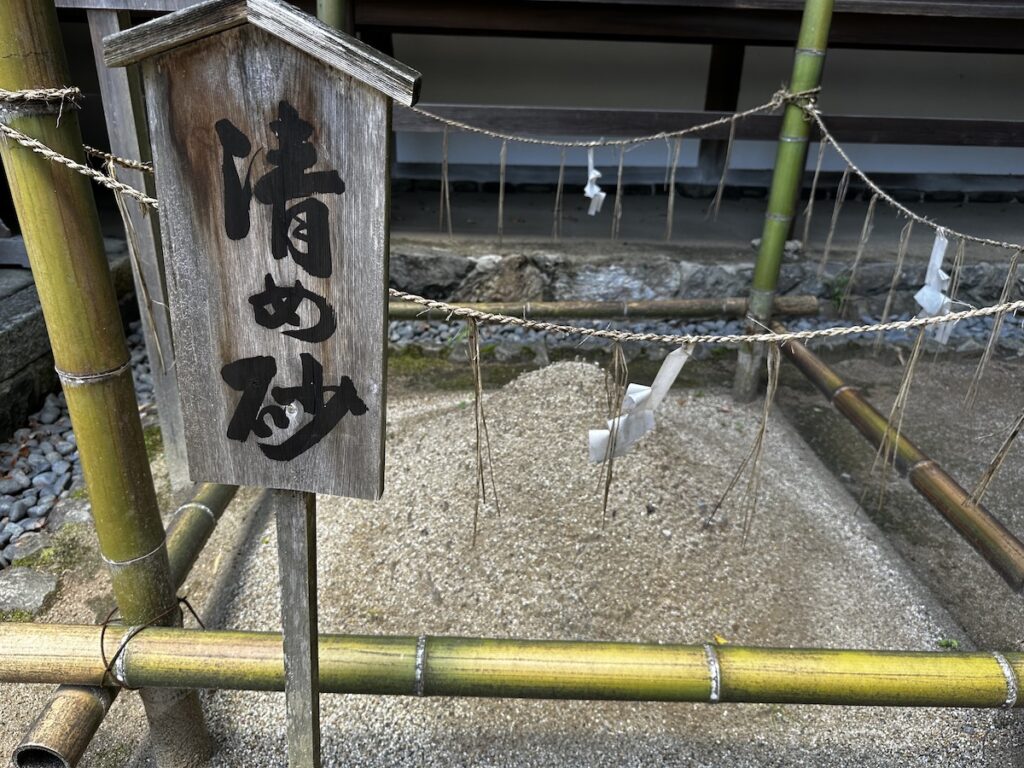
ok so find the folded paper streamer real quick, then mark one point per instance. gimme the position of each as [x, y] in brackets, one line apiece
[932, 297]
[638, 406]
[592, 190]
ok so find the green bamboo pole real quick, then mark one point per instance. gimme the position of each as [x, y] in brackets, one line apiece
[62, 236]
[340, 14]
[787, 179]
[535, 669]
[1003, 551]
[625, 310]
[66, 725]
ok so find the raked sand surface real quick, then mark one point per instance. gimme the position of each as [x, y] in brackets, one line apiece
[813, 572]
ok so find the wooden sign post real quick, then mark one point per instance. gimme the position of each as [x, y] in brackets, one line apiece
[270, 139]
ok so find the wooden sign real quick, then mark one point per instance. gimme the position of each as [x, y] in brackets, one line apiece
[270, 136]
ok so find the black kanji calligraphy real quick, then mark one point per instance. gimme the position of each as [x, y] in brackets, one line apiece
[303, 409]
[277, 305]
[300, 230]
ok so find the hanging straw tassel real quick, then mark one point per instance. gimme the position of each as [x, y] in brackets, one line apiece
[754, 457]
[670, 215]
[901, 255]
[809, 209]
[480, 420]
[720, 192]
[958, 267]
[993, 339]
[617, 211]
[885, 457]
[841, 190]
[556, 224]
[445, 204]
[503, 161]
[997, 461]
[616, 381]
[865, 235]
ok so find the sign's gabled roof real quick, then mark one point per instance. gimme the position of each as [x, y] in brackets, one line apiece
[298, 29]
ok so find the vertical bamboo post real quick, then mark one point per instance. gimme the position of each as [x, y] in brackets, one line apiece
[62, 236]
[340, 14]
[787, 179]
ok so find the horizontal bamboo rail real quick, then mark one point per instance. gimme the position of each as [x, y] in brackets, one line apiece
[1003, 551]
[549, 669]
[64, 728]
[736, 306]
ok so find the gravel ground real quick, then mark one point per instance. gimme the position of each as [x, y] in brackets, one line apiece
[814, 572]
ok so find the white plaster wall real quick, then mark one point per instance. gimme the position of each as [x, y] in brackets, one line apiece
[673, 76]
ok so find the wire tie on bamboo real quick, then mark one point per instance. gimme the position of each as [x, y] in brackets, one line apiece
[714, 673]
[419, 683]
[115, 665]
[81, 379]
[119, 564]
[1012, 686]
[778, 217]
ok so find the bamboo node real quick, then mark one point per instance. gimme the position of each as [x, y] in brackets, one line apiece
[714, 673]
[421, 663]
[81, 379]
[161, 548]
[197, 505]
[1012, 687]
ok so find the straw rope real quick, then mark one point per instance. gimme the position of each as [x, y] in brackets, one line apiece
[812, 112]
[467, 313]
[44, 95]
[779, 99]
[137, 165]
[100, 178]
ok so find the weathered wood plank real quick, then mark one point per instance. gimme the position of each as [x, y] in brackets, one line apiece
[338, 50]
[563, 121]
[296, 558]
[142, 6]
[185, 26]
[124, 110]
[243, 75]
[304, 32]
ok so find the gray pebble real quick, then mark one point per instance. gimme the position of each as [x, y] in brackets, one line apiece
[64, 447]
[61, 482]
[53, 456]
[10, 486]
[62, 466]
[17, 511]
[49, 414]
[35, 524]
[39, 510]
[44, 478]
[14, 530]
[37, 462]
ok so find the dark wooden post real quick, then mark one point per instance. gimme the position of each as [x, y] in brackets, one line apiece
[125, 113]
[725, 73]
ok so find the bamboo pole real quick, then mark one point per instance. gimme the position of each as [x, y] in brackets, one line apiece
[787, 178]
[536, 669]
[62, 236]
[66, 725]
[626, 310]
[1003, 551]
